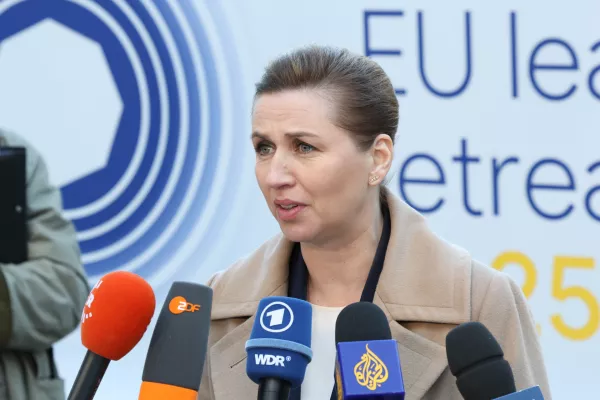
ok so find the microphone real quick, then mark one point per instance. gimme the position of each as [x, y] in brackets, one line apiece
[368, 363]
[279, 346]
[177, 350]
[116, 315]
[477, 361]
[533, 393]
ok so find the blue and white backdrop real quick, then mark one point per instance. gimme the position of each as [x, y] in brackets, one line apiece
[142, 110]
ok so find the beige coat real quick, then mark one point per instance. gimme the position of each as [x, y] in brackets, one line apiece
[427, 287]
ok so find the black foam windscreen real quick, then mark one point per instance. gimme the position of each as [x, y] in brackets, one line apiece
[361, 321]
[468, 344]
[477, 361]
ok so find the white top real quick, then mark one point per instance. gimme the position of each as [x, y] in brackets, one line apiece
[318, 381]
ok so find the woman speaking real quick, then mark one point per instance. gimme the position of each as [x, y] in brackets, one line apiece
[323, 128]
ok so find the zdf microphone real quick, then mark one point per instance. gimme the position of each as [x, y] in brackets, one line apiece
[177, 351]
[368, 363]
[279, 346]
[117, 313]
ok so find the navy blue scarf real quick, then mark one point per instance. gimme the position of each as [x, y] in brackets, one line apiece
[298, 277]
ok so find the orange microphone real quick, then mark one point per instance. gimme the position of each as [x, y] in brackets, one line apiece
[114, 319]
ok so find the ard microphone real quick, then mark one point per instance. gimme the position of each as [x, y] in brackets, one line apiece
[177, 351]
[116, 315]
[279, 346]
[368, 363]
[477, 361]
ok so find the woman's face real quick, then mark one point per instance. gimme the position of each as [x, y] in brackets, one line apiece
[313, 176]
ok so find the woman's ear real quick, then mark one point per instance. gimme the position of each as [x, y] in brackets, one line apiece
[382, 152]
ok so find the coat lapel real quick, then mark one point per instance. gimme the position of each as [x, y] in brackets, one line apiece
[228, 365]
[227, 356]
[228, 361]
[422, 360]
[424, 280]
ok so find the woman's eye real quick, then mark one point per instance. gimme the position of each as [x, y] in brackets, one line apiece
[305, 148]
[263, 149]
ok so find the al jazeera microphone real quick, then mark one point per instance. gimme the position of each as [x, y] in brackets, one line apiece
[177, 350]
[368, 363]
[117, 313]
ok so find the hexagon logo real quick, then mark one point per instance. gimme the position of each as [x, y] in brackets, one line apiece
[68, 88]
[130, 103]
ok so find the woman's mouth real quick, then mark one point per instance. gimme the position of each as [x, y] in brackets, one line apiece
[287, 210]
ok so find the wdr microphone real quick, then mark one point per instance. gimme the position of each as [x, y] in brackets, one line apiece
[477, 361]
[279, 346]
[116, 315]
[177, 351]
[368, 363]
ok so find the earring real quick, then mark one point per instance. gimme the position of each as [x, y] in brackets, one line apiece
[373, 179]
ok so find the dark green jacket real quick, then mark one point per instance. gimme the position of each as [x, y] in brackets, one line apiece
[41, 300]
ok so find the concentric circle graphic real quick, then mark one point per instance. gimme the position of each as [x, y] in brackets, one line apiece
[157, 204]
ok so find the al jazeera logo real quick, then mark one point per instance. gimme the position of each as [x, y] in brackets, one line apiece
[370, 371]
[366, 369]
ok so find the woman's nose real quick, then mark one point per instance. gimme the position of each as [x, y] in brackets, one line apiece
[279, 172]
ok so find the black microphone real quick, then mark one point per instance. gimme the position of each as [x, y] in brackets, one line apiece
[477, 361]
[177, 351]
